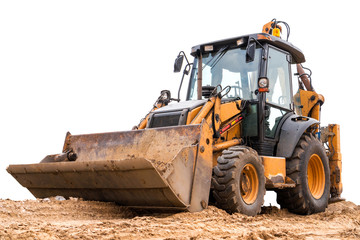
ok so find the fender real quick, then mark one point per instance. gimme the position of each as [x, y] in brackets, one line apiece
[291, 132]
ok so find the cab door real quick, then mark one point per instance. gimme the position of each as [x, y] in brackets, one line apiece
[278, 101]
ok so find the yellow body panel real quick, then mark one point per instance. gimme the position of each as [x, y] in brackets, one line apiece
[216, 121]
[204, 111]
[315, 113]
[192, 114]
[275, 173]
[307, 103]
[308, 99]
[335, 161]
[228, 110]
[234, 132]
[274, 168]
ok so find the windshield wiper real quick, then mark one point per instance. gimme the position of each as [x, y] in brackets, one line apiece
[212, 63]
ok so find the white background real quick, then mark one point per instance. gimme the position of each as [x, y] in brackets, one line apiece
[98, 66]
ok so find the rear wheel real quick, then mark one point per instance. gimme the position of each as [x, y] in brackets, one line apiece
[309, 168]
[239, 182]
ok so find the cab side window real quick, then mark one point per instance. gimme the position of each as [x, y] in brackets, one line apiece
[279, 79]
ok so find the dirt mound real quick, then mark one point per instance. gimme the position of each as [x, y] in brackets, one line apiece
[77, 219]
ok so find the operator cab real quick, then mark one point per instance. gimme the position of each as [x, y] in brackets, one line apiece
[255, 68]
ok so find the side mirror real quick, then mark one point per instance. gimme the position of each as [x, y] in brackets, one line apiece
[250, 52]
[178, 63]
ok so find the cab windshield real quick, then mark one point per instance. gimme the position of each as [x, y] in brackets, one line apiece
[227, 68]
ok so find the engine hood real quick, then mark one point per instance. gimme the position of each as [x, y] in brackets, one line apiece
[174, 114]
[174, 106]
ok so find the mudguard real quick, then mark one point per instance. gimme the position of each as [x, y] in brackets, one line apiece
[290, 133]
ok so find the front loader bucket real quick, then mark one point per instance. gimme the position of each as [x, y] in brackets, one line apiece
[153, 168]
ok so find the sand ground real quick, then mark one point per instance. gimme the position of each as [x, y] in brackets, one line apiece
[77, 219]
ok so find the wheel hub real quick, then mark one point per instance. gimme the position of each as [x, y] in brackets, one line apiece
[316, 176]
[249, 184]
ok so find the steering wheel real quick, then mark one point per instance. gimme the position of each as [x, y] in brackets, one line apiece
[237, 90]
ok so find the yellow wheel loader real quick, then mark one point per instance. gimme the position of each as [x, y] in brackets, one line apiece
[244, 128]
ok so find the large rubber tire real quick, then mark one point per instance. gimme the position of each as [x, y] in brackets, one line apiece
[309, 168]
[239, 181]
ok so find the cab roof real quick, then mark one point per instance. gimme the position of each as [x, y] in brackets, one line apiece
[296, 53]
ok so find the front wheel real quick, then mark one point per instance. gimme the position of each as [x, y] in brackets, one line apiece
[309, 168]
[239, 182]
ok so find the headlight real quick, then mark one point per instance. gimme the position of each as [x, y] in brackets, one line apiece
[263, 84]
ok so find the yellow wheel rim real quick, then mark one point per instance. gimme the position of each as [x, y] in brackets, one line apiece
[249, 184]
[316, 176]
